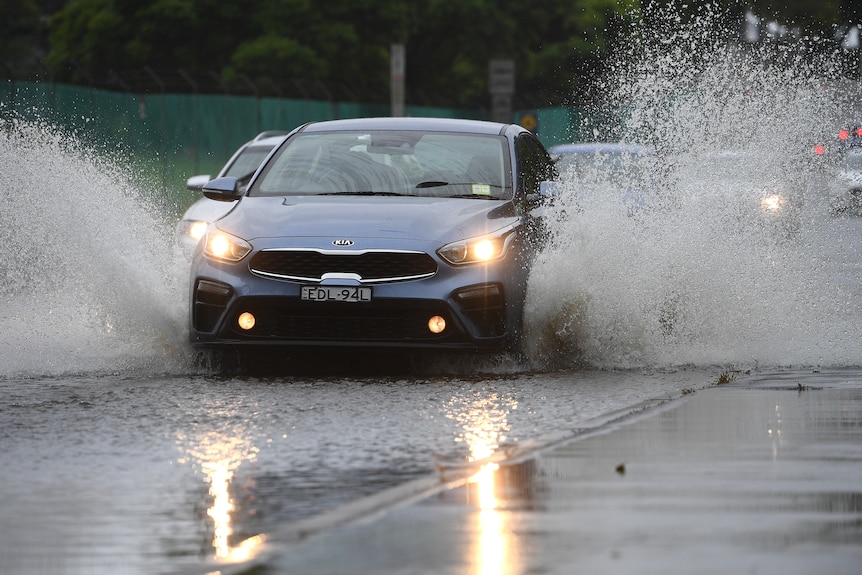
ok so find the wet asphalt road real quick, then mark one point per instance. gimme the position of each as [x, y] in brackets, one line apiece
[677, 488]
[137, 473]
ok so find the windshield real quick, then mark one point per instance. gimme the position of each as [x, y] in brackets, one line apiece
[412, 163]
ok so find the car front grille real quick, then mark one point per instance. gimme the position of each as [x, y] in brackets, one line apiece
[370, 266]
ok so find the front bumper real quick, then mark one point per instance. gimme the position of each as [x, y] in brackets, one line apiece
[481, 307]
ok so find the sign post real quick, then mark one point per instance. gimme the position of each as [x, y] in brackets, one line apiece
[501, 86]
[397, 61]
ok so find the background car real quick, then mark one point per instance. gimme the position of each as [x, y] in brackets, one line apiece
[386, 232]
[845, 186]
[242, 166]
[598, 171]
[750, 191]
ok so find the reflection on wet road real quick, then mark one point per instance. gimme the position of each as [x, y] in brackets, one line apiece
[682, 488]
[484, 424]
[217, 457]
[124, 474]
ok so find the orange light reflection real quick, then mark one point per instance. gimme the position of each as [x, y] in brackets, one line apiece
[484, 424]
[491, 556]
[218, 457]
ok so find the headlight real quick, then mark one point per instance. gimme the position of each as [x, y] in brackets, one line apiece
[195, 229]
[223, 246]
[772, 203]
[477, 250]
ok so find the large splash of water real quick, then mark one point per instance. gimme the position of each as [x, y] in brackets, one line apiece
[91, 277]
[92, 280]
[693, 277]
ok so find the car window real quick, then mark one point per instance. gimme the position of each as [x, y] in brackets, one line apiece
[247, 161]
[389, 162]
[534, 162]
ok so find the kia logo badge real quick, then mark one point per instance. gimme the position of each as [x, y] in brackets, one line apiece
[342, 243]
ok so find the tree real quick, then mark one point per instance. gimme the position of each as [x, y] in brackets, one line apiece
[19, 23]
[557, 45]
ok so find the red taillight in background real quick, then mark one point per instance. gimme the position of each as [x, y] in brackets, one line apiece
[843, 134]
[819, 149]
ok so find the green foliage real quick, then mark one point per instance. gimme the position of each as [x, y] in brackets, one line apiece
[19, 22]
[558, 46]
[18, 16]
[275, 54]
[344, 42]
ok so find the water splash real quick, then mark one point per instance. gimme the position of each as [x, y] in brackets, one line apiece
[92, 278]
[695, 277]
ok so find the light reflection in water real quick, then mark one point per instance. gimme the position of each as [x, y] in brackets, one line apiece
[774, 432]
[218, 456]
[483, 426]
[491, 556]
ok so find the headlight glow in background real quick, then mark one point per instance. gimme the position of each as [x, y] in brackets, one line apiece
[772, 203]
[196, 229]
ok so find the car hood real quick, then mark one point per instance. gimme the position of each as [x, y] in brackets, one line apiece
[405, 218]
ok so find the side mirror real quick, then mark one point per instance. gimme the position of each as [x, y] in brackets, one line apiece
[195, 183]
[222, 190]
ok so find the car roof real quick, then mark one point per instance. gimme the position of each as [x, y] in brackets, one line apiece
[271, 134]
[598, 148]
[421, 124]
[267, 142]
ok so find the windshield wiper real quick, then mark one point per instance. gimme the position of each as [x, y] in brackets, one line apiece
[474, 196]
[360, 193]
[439, 183]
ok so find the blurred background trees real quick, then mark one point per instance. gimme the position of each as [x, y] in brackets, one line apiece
[339, 49]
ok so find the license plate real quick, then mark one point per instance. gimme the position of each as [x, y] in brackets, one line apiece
[336, 293]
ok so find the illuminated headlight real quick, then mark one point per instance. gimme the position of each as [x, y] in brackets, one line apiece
[772, 203]
[477, 250]
[195, 229]
[226, 247]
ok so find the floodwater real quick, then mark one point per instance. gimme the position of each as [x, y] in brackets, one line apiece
[679, 488]
[145, 473]
[123, 453]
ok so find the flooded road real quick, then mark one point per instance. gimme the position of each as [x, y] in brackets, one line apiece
[131, 474]
[122, 452]
[678, 488]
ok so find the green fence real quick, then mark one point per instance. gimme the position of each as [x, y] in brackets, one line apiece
[168, 137]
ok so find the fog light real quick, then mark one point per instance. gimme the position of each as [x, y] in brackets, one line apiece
[436, 324]
[245, 321]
